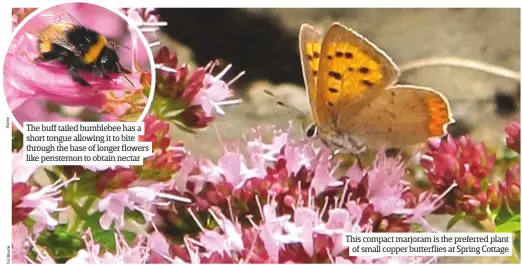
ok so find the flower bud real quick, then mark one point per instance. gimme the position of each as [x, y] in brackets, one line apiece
[493, 196]
[513, 136]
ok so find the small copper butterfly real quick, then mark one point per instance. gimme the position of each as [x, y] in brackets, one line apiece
[354, 100]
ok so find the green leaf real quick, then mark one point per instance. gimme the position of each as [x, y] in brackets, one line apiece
[131, 117]
[417, 228]
[51, 175]
[516, 242]
[173, 113]
[60, 243]
[137, 216]
[510, 155]
[508, 227]
[515, 218]
[172, 108]
[17, 140]
[484, 185]
[505, 216]
[455, 219]
[86, 186]
[183, 127]
[146, 91]
[106, 237]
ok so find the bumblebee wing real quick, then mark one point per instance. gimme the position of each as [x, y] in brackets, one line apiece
[59, 23]
[57, 14]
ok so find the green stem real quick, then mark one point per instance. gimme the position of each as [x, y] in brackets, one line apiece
[75, 225]
[88, 203]
[81, 213]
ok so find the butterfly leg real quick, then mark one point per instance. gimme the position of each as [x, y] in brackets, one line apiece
[333, 153]
[359, 161]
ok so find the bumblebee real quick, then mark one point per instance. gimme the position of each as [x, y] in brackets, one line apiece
[77, 47]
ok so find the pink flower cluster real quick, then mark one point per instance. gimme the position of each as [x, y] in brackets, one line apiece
[279, 202]
[469, 165]
[195, 96]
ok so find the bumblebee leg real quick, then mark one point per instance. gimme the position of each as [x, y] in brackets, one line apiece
[75, 74]
[97, 72]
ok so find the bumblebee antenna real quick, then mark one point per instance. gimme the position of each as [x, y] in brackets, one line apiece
[282, 103]
[114, 45]
[128, 79]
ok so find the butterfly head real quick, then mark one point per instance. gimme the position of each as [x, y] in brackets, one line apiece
[309, 126]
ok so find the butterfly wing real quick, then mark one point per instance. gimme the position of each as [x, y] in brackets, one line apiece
[402, 115]
[309, 50]
[352, 72]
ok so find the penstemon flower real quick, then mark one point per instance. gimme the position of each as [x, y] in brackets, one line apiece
[114, 99]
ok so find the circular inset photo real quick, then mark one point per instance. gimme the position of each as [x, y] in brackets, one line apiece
[78, 62]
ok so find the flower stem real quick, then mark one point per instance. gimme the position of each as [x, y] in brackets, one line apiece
[81, 213]
[464, 63]
[88, 203]
[488, 225]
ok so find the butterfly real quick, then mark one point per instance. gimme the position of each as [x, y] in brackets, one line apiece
[354, 100]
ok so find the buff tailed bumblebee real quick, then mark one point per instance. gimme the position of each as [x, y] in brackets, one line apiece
[77, 47]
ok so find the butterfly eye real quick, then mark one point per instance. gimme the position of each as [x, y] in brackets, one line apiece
[311, 131]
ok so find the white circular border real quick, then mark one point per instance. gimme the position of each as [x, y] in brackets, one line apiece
[116, 11]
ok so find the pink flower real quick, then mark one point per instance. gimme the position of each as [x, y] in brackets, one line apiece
[149, 24]
[298, 156]
[19, 14]
[19, 243]
[41, 254]
[22, 172]
[276, 231]
[234, 169]
[306, 219]
[384, 184]
[214, 93]
[232, 232]
[513, 136]
[510, 188]
[25, 79]
[323, 178]
[158, 243]
[465, 163]
[34, 110]
[139, 198]
[20, 190]
[124, 253]
[426, 206]
[44, 202]
[342, 221]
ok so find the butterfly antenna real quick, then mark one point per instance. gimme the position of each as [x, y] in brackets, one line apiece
[282, 103]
